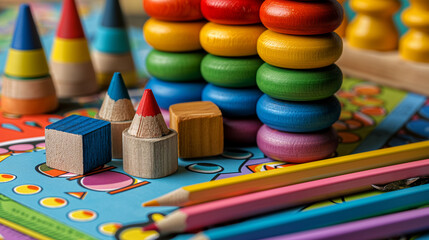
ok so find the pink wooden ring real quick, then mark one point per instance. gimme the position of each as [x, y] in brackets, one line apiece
[297, 147]
[241, 131]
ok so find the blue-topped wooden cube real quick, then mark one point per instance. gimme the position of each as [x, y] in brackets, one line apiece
[78, 144]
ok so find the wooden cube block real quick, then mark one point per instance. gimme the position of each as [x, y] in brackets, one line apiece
[200, 128]
[78, 144]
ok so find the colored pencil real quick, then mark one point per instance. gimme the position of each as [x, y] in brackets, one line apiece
[288, 222]
[383, 227]
[208, 214]
[229, 187]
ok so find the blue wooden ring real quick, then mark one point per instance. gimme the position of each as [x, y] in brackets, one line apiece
[291, 116]
[112, 40]
[233, 102]
[169, 93]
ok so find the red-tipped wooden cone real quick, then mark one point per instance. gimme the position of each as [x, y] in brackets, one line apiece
[149, 147]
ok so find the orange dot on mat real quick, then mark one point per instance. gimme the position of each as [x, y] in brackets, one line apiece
[88, 213]
[58, 200]
[32, 187]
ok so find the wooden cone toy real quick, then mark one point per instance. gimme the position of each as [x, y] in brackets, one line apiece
[27, 85]
[149, 147]
[112, 51]
[71, 63]
[118, 110]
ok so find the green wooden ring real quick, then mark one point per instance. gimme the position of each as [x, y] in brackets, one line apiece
[230, 72]
[299, 85]
[175, 67]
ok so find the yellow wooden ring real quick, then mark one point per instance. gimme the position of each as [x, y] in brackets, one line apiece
[299, 52]
[229, 40]
[26, 63]
[173, 36]
[29, 106]
[70, 50]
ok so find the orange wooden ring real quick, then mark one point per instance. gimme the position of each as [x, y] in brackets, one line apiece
[173, 10]
[29, 106]
[301, 17]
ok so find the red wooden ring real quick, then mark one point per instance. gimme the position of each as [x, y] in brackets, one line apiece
[238, 12]
[301, 17]
[173, 10]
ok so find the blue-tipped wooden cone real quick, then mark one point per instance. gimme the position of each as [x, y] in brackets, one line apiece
[118, 110]
[27, 85]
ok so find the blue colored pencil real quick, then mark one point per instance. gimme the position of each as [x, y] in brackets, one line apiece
[285, 222]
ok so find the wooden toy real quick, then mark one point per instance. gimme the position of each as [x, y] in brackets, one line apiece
[168, 93]
[241, 131]
[192, 218]
[233, 102]
[297, 147]
[27, 85]
[78, 144]
[200, 128]
[382, 227]
[233, 186]
[230, 41]
[299, 52]
[390, 68]
[71, 65]
[173, 10]
[118, 109]
[230, 72]
[111, 50]
[373, 26]
[149, 147]
[341, 30]
[173, 36]
[291, 116]
[241, 12]
[297, 84]
[414, 45]
[277, 224]
[181, 67]
[301, 17]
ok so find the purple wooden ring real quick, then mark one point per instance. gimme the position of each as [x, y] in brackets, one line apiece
[241, 131]
[297, 147]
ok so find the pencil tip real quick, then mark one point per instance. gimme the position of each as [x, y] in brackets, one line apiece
[117, 89]
[152, 203]
[148, 105]
[151, 227]
[70, 25]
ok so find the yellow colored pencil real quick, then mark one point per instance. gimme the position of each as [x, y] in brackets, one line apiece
[229, 187]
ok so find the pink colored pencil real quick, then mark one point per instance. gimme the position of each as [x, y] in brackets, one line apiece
[221, 211]
[391, 225]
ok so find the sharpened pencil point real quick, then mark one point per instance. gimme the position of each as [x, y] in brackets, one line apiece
[151, 227]
[152, 203]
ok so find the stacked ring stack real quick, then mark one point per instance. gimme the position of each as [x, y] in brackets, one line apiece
[174, 63]
[230, 38]
[299, 79]
[111, 51]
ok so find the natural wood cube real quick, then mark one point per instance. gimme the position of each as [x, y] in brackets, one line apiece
[78, 144]
[200, 128]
